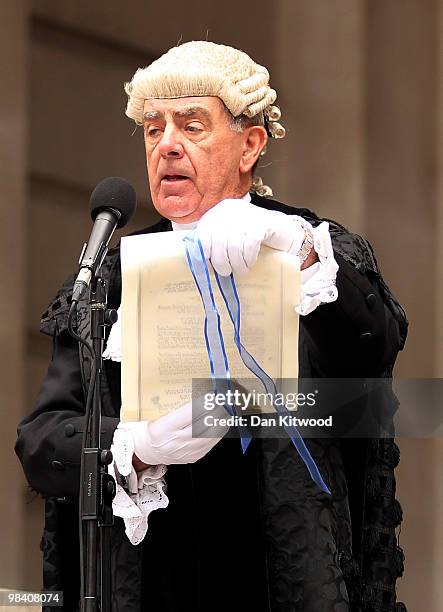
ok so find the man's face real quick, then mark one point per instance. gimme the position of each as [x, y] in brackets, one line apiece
[193, 156]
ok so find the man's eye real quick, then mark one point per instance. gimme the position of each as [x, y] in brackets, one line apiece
[153, 132]
[194, 128]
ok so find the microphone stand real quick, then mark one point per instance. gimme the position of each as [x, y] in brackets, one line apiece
[97, 487]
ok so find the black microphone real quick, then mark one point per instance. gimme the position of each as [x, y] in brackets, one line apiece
[113, 202]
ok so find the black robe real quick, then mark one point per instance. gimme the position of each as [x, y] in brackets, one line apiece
[241, 532]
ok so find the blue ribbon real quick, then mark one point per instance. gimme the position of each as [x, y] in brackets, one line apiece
[215, 346]
[218, 360]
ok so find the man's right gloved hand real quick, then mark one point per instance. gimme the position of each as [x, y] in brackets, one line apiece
[168, 440]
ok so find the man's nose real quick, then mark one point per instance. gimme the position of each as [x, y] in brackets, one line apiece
[170, 144]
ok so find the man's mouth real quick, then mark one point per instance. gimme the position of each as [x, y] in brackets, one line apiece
[174, 178]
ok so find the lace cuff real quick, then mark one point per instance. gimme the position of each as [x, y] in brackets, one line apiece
[113, 349]
[139, 494]
[318, 281]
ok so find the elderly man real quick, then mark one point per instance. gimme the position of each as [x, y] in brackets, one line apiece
[229, 530]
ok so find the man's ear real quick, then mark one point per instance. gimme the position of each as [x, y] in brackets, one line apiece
[255, 139]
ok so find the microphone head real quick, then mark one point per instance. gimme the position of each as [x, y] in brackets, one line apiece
[114, 192]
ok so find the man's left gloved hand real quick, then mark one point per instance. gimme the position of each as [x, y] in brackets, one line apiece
[233, 231]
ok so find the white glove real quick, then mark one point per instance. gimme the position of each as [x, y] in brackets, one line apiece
[233, 231]
[168, 440]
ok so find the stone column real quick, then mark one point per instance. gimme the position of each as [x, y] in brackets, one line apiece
[403, 48]
[439, 200]
[400, 194]
[437, 459]
[13, 104]
[319, 52]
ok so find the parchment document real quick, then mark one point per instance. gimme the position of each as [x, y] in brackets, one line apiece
[163, 343]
